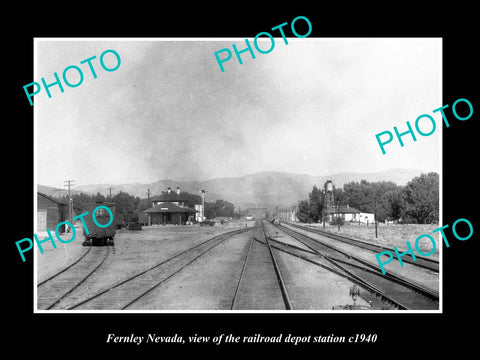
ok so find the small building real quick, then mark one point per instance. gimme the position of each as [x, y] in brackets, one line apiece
[50, 212]
[169, 208]
[348, 213]
[257, 213]
[199, 217]
[169, 213]
[366, 218]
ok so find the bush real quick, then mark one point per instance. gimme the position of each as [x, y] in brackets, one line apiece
[337, 221]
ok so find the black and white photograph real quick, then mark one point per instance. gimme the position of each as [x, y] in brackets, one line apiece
[225, 180]
[261, 187]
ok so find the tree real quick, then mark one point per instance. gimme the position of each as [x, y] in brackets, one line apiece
[373, 197]
[339, 195]
[239, 213]
[219, 208]
[315, 201]
[311, 210]
[143, 204]
[126, 205]
[191, 199]
[99, 197]
[304, 212]
[421, 197]
[398, 204]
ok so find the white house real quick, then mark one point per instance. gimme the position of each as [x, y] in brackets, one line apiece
[348, 213]
[366, 218]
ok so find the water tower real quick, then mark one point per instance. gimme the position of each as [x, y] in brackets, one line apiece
[329, 203]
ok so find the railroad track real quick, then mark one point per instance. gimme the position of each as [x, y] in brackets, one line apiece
[122, 295]
[395, 290]
[51, 291]
[423, 262]
[260, 286]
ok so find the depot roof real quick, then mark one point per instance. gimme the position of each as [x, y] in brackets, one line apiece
[169, 208]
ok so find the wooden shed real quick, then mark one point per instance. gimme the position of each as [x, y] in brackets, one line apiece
[50, 212]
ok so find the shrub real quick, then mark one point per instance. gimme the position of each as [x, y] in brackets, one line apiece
[337, 221]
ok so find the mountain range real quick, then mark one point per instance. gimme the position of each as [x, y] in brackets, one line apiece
[263, 189]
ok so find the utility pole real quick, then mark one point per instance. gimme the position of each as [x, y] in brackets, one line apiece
[110, 190]
[148, 196]
[70, 183]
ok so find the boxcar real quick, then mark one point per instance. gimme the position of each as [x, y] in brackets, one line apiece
[99, 235]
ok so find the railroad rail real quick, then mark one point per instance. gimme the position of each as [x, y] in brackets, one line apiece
[59, 286]
[421, 261]
[260, 285]
[394, 289]
[132, 289]
[283, 287]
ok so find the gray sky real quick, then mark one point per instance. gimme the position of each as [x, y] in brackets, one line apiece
[312, 106]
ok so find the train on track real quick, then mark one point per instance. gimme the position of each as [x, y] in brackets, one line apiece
[98, 235]
[276, 220]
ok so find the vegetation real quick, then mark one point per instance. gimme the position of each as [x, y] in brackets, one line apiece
[128, 206]
[219, 208]
[417, 202]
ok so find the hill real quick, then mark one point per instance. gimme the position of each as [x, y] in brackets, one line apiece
[263, 189]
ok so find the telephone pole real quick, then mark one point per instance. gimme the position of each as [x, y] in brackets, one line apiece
[70, 183]
[110, 190]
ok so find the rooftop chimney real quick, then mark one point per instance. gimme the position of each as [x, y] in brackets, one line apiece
[169, 190]
[178, 190]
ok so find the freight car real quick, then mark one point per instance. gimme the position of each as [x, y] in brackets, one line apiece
[99, 235]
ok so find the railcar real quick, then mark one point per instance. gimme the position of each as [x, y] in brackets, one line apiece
[99, 235]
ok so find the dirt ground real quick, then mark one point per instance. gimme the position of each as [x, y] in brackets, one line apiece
[207, 284]
[133, 251]
[424, 277]
[389, 235]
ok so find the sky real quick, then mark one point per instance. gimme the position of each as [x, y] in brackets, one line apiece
[168, 112]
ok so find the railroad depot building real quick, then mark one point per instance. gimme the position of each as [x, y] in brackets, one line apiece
[169, 208]
[50, 212]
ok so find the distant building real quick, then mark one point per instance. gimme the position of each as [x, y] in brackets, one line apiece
[257, 213]
[349, 213]
[199, 213]
[289, 214]
[169, 208]
[50, 212]
[174, 197]
[366, 218]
